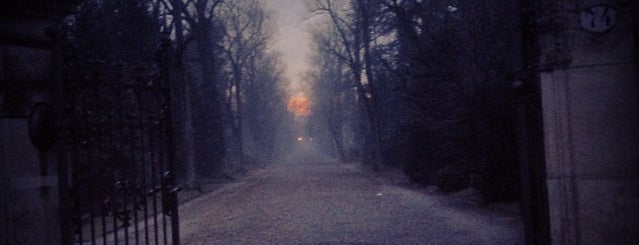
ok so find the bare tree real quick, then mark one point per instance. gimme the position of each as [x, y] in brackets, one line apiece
[245, 36]
[432, 78]
[332, 89]
[193, 26]
[264, 108]
[352, 21]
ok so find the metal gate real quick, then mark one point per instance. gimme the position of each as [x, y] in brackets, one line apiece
[117, 135]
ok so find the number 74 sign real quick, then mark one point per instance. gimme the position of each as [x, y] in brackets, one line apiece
[599, 18]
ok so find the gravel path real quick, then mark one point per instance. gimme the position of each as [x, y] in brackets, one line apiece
[335, 203]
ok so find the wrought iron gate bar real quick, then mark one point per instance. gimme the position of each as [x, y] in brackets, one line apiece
[117, 126]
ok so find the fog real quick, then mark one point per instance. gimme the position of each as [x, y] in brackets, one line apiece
[317, 122]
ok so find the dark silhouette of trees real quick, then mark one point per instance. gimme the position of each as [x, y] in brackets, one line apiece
[225, 86]
[245, 36]
[112, 31]
[432, 79]
[350, 40]
[421, 85]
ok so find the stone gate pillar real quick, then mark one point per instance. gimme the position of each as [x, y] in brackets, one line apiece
[29, 190]
[586, 65]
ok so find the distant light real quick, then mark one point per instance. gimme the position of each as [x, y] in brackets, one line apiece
[300, 139]
[452, 8]
[299, 105]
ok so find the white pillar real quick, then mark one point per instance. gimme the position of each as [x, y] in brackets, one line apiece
[589, 85]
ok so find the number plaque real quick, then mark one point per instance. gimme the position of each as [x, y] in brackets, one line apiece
[599, 18]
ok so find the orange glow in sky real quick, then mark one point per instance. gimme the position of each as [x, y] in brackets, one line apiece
[299, 105]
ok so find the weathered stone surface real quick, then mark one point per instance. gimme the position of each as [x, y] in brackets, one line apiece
[608, 210]
[27, 64]
[32, 219]
[563, 219]
[591, 120]
[604, 120]
[2, 77]
[29, 30]
[20, 158]
[556, 124]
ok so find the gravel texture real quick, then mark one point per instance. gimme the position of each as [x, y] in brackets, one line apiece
[323, 202]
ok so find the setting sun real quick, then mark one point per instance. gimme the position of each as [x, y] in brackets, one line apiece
[299, 105]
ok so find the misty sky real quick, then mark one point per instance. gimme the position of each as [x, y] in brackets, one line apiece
[291, 39]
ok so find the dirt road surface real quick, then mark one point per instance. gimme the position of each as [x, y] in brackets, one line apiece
[334, 203]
